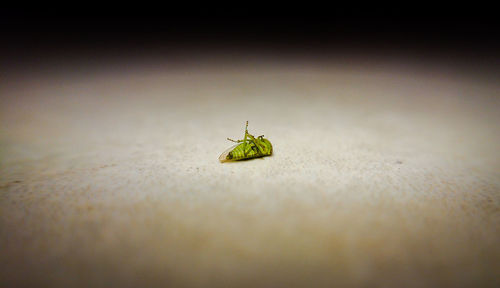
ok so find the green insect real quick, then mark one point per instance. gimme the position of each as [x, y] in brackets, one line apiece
[249, 147]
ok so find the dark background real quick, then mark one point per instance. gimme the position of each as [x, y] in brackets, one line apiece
[472, 34]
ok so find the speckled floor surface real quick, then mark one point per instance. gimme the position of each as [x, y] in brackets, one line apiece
[385, 174]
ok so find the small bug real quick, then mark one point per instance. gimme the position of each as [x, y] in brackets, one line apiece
[249, 147]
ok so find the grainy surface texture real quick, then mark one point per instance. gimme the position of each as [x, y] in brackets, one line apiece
[384, 174]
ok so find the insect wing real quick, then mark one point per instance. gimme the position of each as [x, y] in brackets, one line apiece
[223, 156]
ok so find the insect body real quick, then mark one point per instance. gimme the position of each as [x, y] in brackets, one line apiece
[249, 147]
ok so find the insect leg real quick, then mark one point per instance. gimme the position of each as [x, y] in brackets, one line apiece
[236, 141]
[256, 142]
[245, 140]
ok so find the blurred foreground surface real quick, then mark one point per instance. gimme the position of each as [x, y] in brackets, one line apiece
[386, 173]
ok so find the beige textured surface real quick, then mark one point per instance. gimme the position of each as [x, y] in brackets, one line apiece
[384, 174]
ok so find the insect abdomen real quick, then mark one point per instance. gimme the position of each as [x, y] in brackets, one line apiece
[238, 153]
[251, 151]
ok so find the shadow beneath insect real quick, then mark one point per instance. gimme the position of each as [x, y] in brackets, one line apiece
[249, 159]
